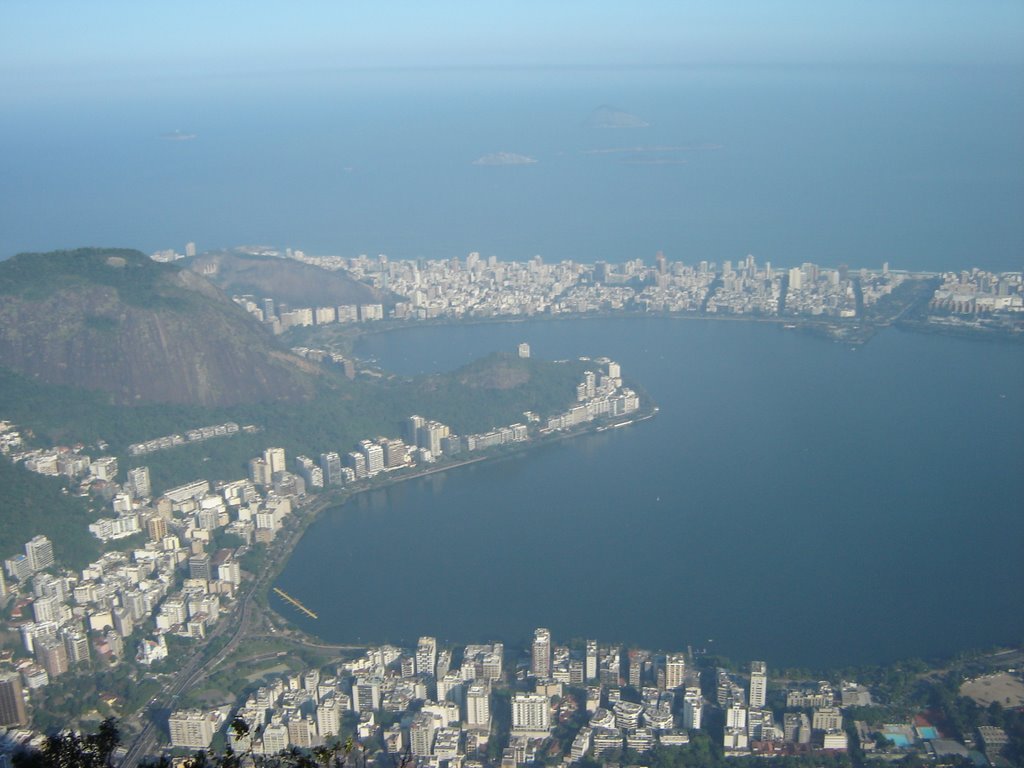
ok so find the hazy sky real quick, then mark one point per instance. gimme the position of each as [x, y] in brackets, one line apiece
[60, 43]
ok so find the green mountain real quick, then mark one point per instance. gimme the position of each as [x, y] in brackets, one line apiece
[106, 347]
[115, 321]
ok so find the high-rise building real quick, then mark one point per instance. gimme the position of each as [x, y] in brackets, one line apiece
[52, 656]
[138, 483]
[675, 671]
[396, 453]
[366, 694]
[374, 457]
[357, 462]
[421, 733]
[77, 646]
[156, 528]
[444, 663]
[638, 660]
[827, 719]
[330, 463]
[328, 716]
[275, 459]
[591, 660]
[199, 566]
[191, 728]
[12, 700]
[478, 706]
[39, 551]
[693, 706]
[259, 472]
[449, 687]
[431, 435]
[18, 567]
[47, 608]
[736, 716]
[413, 425]
[426, 656]
[796, 279]
[190, 249]
[531, 713]
[310, 472]
[758, 684]
[540, 665]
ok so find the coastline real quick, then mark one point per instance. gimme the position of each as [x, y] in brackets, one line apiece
[326, 500]
[856, 331]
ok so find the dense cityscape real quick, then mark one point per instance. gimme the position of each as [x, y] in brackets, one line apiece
[185, 570]
[479, 288]
[512, 385]
[179, 567]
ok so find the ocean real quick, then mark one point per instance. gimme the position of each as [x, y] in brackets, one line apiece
[916, 166]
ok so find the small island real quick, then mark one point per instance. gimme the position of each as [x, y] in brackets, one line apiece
[504, 158]
[607, 116]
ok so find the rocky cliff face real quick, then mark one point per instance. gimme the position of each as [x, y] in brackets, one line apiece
[144, 332]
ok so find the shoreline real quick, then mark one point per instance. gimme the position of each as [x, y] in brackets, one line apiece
[313, 509]
[860, 331]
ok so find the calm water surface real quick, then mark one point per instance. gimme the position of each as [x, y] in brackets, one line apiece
[794, 500]
[918, 166]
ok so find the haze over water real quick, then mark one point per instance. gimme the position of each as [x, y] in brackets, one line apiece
[857, 164]
[794, 500]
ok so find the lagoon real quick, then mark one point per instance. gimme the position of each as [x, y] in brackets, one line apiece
[796, 500]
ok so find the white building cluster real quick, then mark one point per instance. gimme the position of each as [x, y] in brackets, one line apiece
[478, 287]
[280, 317]
[197, 435]
[978, 292]
[599, 395]
[172, 581]
[415, 702]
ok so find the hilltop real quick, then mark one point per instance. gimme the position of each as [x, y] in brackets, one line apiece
[287, 280]
[115, 321]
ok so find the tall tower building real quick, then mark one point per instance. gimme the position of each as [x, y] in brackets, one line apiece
[675, 671]
[540, 665]
[693, 706]
[39, 551]
[259, 471]
[374, 457]
[426, 656]
[330, 463]
[275, 459]
[421, 734]
[758, 684]
[138, 482]
[478, 706]
[52, 656]
[591, 664]
[413, 425]
[12, 700]
[156, 528]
